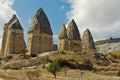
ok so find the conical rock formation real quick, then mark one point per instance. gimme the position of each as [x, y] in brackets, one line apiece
[72, 31]
[13, 37]
[69, 39]
[40, 36]
[87, 41]
[62, 34]
[62, 39]
[40, 22]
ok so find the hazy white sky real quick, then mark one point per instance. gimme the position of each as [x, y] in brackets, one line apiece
[102, 17]
[6, 12]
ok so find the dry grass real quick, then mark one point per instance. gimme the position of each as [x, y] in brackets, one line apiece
[71, 75]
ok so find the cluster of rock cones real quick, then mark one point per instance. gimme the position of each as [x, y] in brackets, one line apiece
[40, 37]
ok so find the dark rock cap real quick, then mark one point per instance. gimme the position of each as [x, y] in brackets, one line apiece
[40, 21]
[72, 31]
[62, 34]
[13, 23]
[87, 40]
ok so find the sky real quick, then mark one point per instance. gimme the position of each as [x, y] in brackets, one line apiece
[102, 17]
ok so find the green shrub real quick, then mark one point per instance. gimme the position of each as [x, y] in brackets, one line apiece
[62, 62]
[74, 59]
[54, 68]
[75, 50]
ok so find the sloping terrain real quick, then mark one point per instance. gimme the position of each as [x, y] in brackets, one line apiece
[108, 45]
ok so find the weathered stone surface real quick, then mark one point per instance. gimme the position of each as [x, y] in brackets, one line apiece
[72, 31]
[62, 39]
[13, 37]
[75, 45]
[41, 23]
[87, 41]
[74, 40]
[69, 39]
[62, 34]
[40, 36]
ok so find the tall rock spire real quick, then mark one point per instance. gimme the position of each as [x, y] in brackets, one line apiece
[72, 31]
[40, 36]
[40, 21]
[62, 34]
[69, 39]
[87, 41]
[13, 37]
[62, 39]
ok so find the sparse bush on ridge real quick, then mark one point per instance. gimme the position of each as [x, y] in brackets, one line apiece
[65, 69]
[87, 62]
[33, 74]
[62, 62]
[116, 56]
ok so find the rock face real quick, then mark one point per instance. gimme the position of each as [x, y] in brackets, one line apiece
[87, 41]
[13, 38]
[69, 39]
[62, 39]
[74, 40]
[72, 31]
[40, 36]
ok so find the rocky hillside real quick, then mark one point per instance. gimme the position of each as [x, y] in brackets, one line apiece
[112, 44]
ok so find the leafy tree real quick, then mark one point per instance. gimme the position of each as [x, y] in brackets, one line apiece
[54, 68]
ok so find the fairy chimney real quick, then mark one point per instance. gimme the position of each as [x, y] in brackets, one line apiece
[74, 40]
[13, 38]
[40, 35]
[62, 39]
[87, 42]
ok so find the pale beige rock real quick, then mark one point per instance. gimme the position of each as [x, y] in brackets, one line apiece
[74, 40]
[72, 31]
[62, 39]
[88, 42]
[69, 39]
[13, 38]
[40, 36]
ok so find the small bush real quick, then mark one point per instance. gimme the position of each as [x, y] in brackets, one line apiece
[88, 63]
[75, 50]
[33, 74]
[54, 68]
[74, 59]
[116, 56]
[65, 70]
